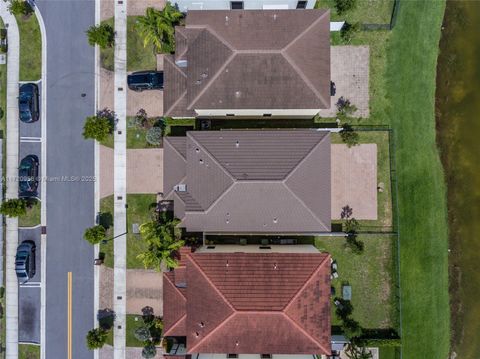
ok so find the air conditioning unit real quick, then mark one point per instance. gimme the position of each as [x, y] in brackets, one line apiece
[180, 188]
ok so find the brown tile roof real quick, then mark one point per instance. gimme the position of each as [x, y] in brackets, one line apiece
[252, 59]
[253, 303]
[253, 181]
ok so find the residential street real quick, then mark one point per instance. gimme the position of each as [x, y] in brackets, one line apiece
[70, 204]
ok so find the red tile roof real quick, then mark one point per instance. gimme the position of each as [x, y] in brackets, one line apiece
[251, 303]
[174, 299]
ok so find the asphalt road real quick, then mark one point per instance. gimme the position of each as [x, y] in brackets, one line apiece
[70, 205]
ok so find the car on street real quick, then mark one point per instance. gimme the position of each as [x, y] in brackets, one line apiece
[28, 103]
[25, 261]
[28, 176]
[145, 80]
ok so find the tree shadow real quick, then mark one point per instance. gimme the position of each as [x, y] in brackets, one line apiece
[105, 220]
[106, 318]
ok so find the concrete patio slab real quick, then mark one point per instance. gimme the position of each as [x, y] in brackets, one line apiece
[354, 180]
[144, 171]
[350, 73]
[151, 101]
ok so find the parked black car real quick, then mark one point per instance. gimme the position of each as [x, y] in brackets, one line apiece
[28, 176]
[145, 80]
[28, 103]
[25, 261]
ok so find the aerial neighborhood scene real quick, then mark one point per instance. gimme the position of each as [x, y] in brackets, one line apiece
[208, 179]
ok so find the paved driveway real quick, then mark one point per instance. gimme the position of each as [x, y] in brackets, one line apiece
[151, 101]
[144, 171]
[130, 353]
[134, 7]
[354, 180]
[350, 72]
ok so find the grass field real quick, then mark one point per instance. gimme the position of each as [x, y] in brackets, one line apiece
[30, 48]
[138, 56]
[371, 275]
[28, 351]
[366, 11]
[32, 218]
[412, 55]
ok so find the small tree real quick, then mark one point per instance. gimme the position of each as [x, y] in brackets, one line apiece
[141, 118]
[14, 207]
[351, 228]
[96, 338]
[357, 352]
[342, 6]
[149, 351]
[97, 127]
[349, 135]
[20, 7]
[154, 136]
[94, 235]
[348, 31]
[345, 108]
[102, 35]
[142, 334]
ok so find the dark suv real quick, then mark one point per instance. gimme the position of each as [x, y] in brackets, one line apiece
[28, 103]
[28, 176]
[25, 261]
[145, 80]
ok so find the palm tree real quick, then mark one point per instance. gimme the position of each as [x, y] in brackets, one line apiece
[162, 241]
[157, 27]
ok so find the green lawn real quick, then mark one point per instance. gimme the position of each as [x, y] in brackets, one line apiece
[384, 199]
[133, 322]
[32, 218]
[366, 11]
[412, 55]
[138, 211]
[28, 351]
[30, 48]
[138, 56]
[371, 275]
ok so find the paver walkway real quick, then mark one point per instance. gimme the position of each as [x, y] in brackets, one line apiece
[354, 180]
[350, 73]
[11, 235]
[144, 288]
[120, 177]
[144, 171]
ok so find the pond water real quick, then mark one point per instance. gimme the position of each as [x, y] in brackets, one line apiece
[458, 136]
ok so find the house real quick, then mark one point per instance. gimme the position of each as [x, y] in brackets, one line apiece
[233, 304]
[257, 63]
[187, 5]
[237, 182]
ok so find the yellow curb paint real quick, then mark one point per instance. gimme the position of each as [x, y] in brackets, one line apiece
[69, 339]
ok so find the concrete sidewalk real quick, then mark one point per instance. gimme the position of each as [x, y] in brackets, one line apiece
[120, 181]
[11, 237]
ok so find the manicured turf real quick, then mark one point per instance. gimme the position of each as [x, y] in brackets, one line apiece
[28, 351]
[138, 211]
[371, 275]
[106, 210]
[412, 55]
[30, 48]
[366, 11]
[131, 325]
[32, 218]
[138, 57]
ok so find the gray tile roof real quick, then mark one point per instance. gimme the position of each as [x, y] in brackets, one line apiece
[252, 59]
[253, 181]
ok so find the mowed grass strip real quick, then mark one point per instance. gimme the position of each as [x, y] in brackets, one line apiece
[412, 56]
[30, 48]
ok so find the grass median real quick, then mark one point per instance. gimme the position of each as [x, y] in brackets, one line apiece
[30, 48]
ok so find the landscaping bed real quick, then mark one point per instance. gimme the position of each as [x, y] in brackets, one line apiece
[30, 48]
[372, 276]
[138, 57]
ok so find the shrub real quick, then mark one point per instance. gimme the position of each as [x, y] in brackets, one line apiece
[94, 235]
[96, 338]
[345, 108]
[386, 342]
[342, 6]
[14, 207]
[20, 7]
[102, 35]
[351, 328]
[154, 136]
[142, 334]
[97, 128]
[348, 30]
[349, 135]
[149, 351]
[352, 225]
[344, 310]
